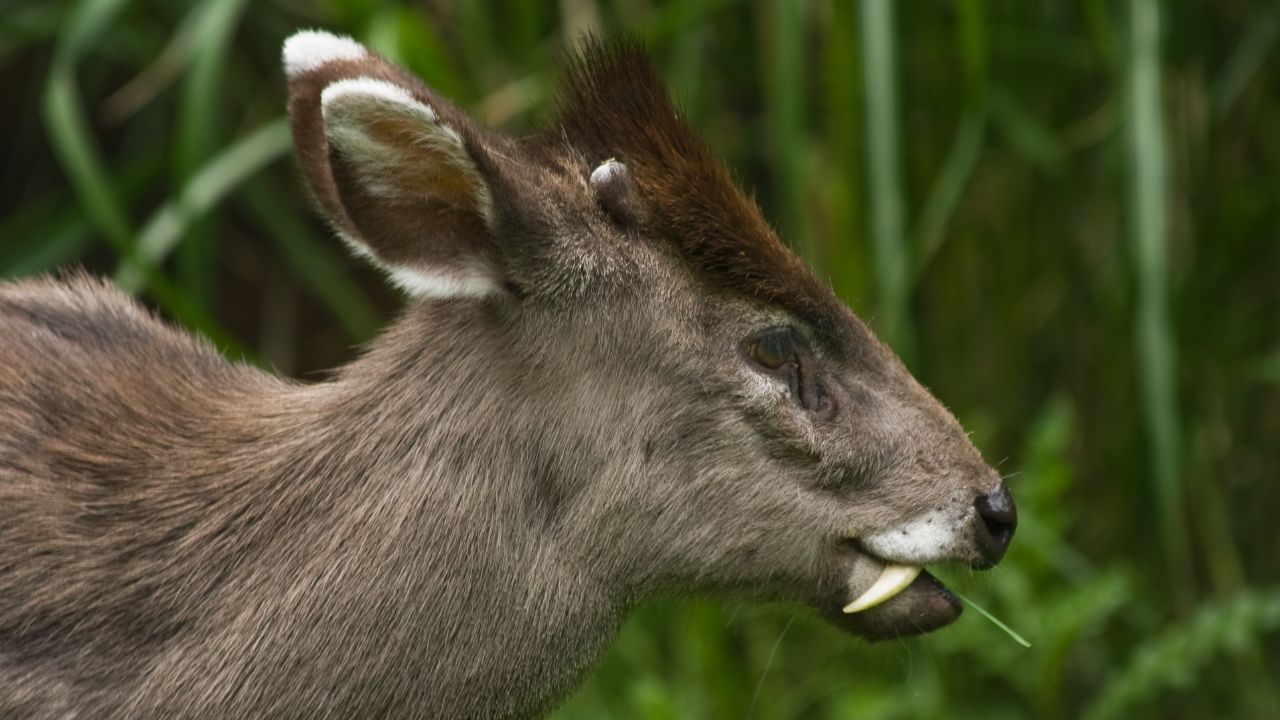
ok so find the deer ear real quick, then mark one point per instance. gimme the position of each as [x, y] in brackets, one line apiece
[393, 166]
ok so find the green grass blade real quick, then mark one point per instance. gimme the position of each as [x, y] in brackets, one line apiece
[838, 241]
[971, 32]
[785, 92]
[45, 246]
[221, 175]
[664, 21]
[409, 37]
[994, 620]
[1154, 331]
[26, 25]
[24, 231]
[1246, 61]
[200, 133]
[1031, 137]
[949, 188]
[169, 64]
[312, 261]
[885, 182]
[68, 127]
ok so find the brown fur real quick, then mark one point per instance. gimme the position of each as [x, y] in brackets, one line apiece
[613, 104]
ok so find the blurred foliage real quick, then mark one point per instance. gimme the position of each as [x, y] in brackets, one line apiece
[1065, 215]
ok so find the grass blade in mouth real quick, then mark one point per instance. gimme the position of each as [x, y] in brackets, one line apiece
[994, 620]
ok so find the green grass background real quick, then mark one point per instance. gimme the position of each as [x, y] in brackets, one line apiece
[1065, 215]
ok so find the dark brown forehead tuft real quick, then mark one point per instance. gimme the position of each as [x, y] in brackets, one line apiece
[613, 105]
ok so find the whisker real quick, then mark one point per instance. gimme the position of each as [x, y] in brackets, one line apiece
[768, 663]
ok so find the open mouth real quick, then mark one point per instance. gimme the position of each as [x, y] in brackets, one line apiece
[888, 593]
[902, 600]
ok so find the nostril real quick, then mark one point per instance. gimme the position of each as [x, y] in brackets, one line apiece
[998, 513]
[997, 519]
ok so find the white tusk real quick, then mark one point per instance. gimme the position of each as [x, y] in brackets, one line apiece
[893, 580]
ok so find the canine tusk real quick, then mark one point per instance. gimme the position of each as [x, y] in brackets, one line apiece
[893, 580]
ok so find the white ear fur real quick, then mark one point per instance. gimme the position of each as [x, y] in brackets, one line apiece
[469, 282]
[307, 50]
[368, 94]
[350, 107]
[472, 283]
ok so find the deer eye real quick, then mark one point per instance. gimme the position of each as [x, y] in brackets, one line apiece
[783, 354]
[773, 349]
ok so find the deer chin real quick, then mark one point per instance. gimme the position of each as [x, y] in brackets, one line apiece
[899, 601]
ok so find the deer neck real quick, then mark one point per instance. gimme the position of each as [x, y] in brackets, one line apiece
[443, 481]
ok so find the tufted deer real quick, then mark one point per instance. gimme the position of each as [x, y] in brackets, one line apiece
[612, 381]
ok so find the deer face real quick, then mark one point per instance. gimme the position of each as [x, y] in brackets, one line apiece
[746, 434]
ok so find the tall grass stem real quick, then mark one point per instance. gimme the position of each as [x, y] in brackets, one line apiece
[885, 182]
[1154, 331]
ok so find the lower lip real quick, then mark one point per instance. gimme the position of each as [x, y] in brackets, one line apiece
[923, 606]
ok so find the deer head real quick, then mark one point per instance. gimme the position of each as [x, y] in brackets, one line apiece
[727, 425]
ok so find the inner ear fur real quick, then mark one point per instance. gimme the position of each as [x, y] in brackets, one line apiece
[393, 167]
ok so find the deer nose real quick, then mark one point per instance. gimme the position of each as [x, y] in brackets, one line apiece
[996, 521]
